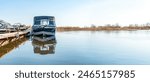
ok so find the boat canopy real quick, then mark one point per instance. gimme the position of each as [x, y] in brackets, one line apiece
[4, 25]
[44, 20]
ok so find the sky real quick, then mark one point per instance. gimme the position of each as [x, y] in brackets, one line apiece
[77, 12]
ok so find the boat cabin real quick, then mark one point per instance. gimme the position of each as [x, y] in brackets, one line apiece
[44, 25]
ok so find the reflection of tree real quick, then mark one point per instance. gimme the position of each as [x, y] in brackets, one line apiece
[9, 44]
[44, 45]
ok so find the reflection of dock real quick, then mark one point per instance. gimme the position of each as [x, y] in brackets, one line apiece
[44, 45]
[7, 45]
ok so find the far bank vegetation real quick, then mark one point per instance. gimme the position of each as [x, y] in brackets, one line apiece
[107, 27]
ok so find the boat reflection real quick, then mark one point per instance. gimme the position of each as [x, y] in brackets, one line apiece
[44, 45]
[7, 45]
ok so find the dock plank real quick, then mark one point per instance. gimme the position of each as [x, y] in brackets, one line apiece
[13, 34]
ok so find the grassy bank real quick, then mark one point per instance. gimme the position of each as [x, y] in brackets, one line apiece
[103, 28]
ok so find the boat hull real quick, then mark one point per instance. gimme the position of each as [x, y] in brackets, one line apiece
[48, 31]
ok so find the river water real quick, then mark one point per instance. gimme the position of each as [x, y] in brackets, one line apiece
[79, 48]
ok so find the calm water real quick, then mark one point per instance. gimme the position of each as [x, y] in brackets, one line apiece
[79, 48]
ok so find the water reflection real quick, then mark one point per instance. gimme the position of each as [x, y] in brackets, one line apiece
[8, 45]
[44, 45]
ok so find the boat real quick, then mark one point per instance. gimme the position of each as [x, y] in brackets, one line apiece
[44, 26]
[5, 27]
[11, 31]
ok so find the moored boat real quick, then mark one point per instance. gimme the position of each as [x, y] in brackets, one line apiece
[10, 31]
[44, 26]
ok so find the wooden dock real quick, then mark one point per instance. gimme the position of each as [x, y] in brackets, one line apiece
[14, 34]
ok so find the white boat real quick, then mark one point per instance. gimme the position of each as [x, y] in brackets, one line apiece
[10, 31]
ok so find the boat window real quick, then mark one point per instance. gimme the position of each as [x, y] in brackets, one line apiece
[44, 22]
[37, 23]
[51, 19]
[51, 22]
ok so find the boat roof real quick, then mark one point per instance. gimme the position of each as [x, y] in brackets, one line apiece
[43, 17]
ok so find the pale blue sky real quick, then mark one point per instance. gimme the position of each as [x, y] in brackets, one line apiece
[77, 12]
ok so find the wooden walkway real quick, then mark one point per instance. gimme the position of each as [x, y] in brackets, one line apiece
[13, 34]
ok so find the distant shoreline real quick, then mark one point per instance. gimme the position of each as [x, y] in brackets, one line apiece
[103, 28]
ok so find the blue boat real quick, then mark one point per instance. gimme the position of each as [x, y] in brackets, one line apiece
[44, 26]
